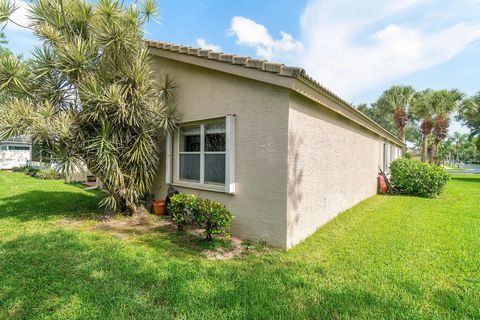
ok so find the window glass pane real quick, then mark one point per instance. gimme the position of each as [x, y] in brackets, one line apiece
[215, 137]
[190, 139]
[190, 167]
[215, 168]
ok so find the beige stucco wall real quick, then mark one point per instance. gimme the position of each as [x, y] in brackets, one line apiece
[332, 165]
[260, 201]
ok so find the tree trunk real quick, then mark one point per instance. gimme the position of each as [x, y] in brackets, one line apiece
[402, 133]
[433, 158]
[137, 211]
[435, 152]
[424, 148]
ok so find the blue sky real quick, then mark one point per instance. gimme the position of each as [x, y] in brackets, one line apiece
[356, 48]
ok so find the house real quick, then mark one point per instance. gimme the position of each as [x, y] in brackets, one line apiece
[282, 152]
[15, 152]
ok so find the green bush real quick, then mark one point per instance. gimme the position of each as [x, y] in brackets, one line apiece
[30, 171]
[418, 178]
[184, 208]
[210, 215]
[50, 174]
[214, 217]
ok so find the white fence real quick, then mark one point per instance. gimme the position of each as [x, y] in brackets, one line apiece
[40, 165]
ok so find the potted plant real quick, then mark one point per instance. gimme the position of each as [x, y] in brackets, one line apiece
[159, 207]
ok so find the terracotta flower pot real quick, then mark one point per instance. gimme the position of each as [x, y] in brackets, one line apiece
[159, 207]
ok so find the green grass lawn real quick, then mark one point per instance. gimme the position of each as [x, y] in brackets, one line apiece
[387, 258]
[452, 167]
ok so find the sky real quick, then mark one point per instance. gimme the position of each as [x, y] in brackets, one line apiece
[356, 48]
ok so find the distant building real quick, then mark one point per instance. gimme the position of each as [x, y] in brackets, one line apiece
[15, 152]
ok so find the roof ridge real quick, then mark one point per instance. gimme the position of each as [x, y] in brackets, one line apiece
[245, 61]
[261, 65]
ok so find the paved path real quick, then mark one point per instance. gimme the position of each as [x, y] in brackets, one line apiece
[466, 168]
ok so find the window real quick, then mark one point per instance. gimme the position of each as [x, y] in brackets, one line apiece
[205, 156]
[18, 148]
[3, 147]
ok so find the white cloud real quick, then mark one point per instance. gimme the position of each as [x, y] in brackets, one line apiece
[21, 39]
[255, 35]
[350, 47]
[20, 17]
[202, 43]
[354, 46]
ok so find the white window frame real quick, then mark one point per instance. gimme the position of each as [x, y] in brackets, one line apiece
[385, 156]
[173, 155]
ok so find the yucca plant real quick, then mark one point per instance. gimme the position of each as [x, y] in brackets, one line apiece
[88, 94]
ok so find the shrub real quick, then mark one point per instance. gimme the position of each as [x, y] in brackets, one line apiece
[214, 217]
[210, 215]
[418, 178]
[18, 169]
[30, 171]
[50, 174]
[184, 208]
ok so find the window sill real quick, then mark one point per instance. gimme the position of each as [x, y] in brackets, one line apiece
[213, 188]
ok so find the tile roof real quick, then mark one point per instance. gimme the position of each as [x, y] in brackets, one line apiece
[262, 65]
[247, 62]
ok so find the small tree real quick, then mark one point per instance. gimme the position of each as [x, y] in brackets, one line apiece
[88, 93]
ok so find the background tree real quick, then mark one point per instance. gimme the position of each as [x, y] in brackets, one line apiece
[89, 95]
[423, 110]
[385, 119]
[397, 101]
[458, 140]
[469, 114]
[444, 103]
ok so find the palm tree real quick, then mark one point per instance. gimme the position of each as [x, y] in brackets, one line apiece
[397, 101]
[469, 114]
[444, 102]
[458, 140]
[423, 109]
[88, 93]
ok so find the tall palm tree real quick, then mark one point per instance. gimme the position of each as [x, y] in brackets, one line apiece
[444, 103]
[397, 101]
[423, 109]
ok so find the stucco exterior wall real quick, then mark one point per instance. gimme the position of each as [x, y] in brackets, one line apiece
[332, 165]
[259, 203]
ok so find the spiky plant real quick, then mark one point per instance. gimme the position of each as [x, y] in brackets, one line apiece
[88, 94]
[444, 103]
[397, 101]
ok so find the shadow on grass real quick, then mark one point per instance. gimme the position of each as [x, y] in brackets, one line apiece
[65, 274]
[44, 204]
